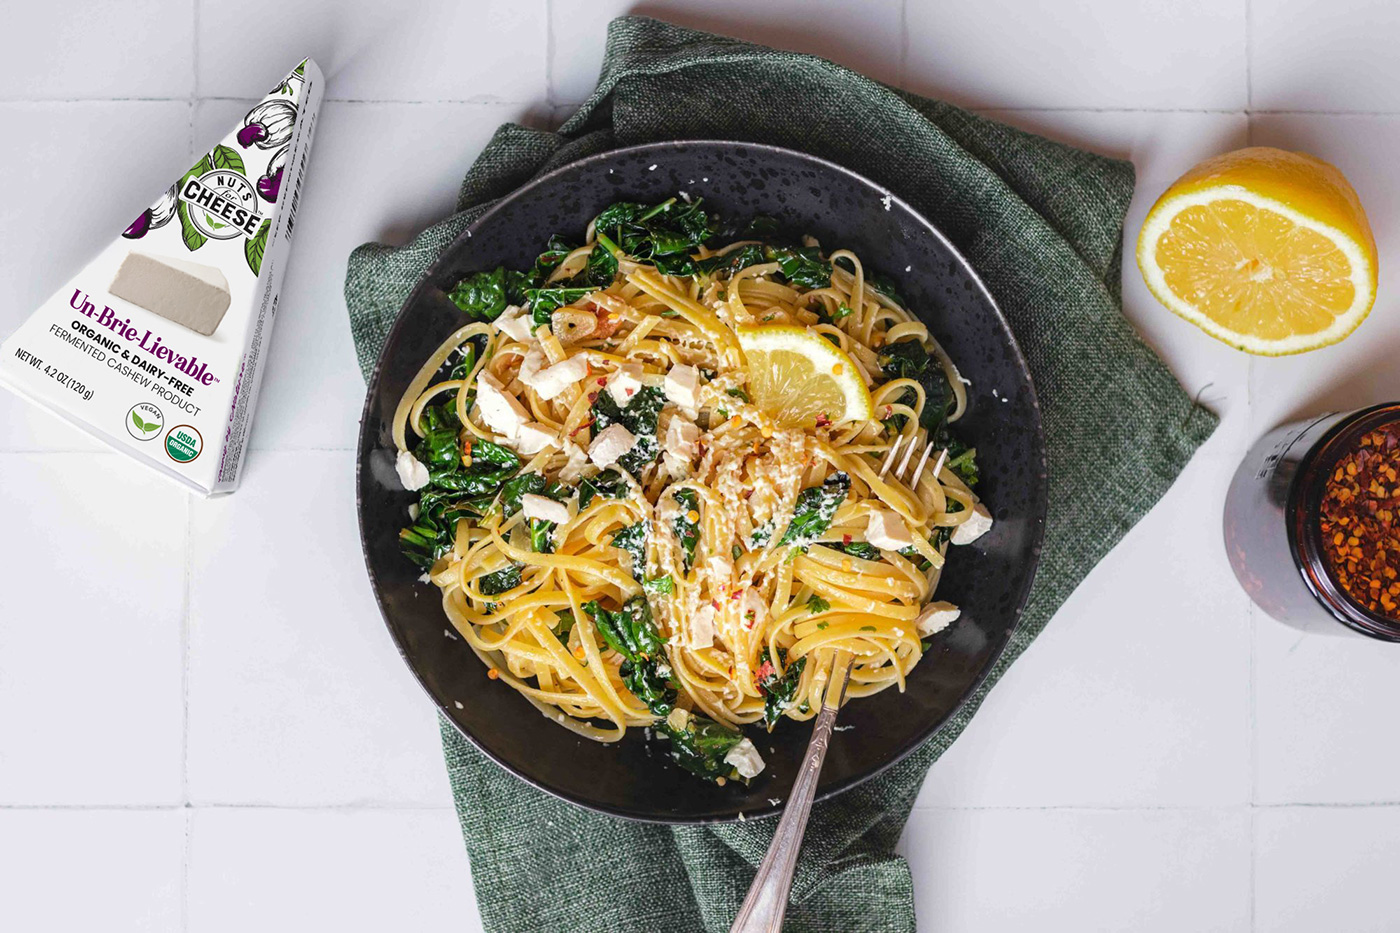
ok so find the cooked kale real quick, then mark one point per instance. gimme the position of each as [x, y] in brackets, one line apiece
[482, 295]
[507, 578]
[800, 265]
[645, 669]
[663, 234]
[453, 490]
[632, 540]
[608, 484]
[815, 508]
[639, 417]
[908, 359]
[962, 460]
[778, 690]
[687, 530]
[659, 586]
[544, 302]
[856, 549]
[701, 746]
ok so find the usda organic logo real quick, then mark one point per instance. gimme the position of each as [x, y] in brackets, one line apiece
[183, 443]
[144, 422]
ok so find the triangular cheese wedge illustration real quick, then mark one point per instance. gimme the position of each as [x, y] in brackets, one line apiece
[157, 346]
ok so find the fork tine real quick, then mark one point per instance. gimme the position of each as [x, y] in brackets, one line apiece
[919, 470]
[938, 467]
[889, 457]
[908, 455]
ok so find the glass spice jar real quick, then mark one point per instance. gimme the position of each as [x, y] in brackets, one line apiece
[1312, 523]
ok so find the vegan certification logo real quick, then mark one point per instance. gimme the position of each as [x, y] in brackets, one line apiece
[144, 421]
[183, 443]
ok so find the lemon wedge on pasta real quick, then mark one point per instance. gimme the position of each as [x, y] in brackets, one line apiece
[801, 378]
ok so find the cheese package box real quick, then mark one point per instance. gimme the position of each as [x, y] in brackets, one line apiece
[158, 346]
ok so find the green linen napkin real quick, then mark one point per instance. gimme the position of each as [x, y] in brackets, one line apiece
[1043, 224]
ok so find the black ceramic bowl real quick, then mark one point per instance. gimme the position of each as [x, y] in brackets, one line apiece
[989, 579]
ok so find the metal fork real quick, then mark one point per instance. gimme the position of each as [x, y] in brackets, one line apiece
[766, 902]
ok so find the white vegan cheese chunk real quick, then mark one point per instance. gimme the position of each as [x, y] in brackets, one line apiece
[531, 365]
[572, 471]
[611, 443]
[977, 524]
[412, 473]
[515, 323]
[188, 293]
[702, 627]
[936, 617]
[534, 437]
[745, 759]
[549, 382]
[755, 610]
[158, 345]
[887, 531]
[681, 438]
[501, 411]
[682, 386]
[543, 508]
[680, 445]
[625, 383]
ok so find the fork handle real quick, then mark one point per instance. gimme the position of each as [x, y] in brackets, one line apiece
[763, 908]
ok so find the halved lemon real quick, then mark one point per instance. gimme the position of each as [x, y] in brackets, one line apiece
[801, 378]
[1267, 250]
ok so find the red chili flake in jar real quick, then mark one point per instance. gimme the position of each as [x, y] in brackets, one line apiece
[1360, 531]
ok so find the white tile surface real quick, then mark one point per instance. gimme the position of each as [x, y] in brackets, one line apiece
[290, 871]
[66, 210]
[1325, 712]
[1360, 370]
[1326, 868]
[1113, 777]
[1324, 56]
[369, 50]
[821, 27]
[118, 871]
[1141, 871]
[297, 694]
[1095, 53]
[69, 49]
[1137, 694]
[90, 631]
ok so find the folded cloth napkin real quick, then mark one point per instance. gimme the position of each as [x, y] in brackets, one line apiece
[1043, 224]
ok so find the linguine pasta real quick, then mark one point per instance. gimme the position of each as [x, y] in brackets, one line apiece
[620, 525]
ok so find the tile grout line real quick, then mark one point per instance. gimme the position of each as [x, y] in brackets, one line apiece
[488, 100]
[185, 596]
[185, 628]
[549, 50]
[1248, 71]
